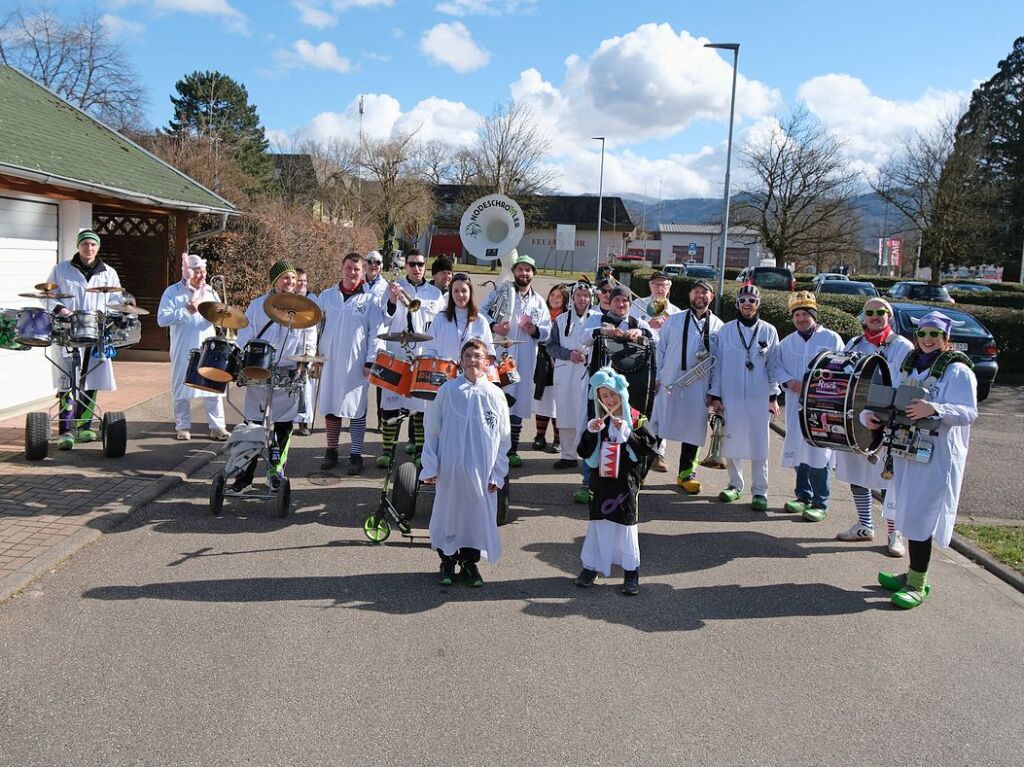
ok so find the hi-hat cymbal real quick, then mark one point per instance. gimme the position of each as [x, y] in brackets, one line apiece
[105, 289]
[46, 287]
[127, 309]
[292, 310]
[507, 342]
[405, 337]
[308, 358]
[45, 296]
[223, 315]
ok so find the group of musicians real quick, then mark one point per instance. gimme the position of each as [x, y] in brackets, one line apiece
[735, 369]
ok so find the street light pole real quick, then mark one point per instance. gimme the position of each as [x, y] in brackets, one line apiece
[600, 205]
[735, 48]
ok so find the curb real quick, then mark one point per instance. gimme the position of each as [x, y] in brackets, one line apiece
[963, 546]
[12, 584]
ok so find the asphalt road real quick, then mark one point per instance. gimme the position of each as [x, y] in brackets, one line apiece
[992, 482]
[184, 639]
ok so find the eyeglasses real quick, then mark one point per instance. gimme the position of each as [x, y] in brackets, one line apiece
[875, 312]
[929, 333]
[747, 300]
[460, 276]
[416, 264]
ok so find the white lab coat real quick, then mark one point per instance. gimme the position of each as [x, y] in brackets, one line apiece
[348, 341]
[525, 354]
[924, 496]
[639, 308]
[683, 414]
[449, 337]
[854, 467]
[285, 342]
[188, 331]
[744, 393]
[571, 379]
[467, 437]
[789, 362]
[69, 280]
[432, 303]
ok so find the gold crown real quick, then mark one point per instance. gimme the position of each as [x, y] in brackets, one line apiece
[802, 299]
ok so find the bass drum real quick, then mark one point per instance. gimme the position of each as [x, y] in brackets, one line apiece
[832, 396]
[635, 362]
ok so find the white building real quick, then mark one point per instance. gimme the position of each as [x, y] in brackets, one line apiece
[701, 243]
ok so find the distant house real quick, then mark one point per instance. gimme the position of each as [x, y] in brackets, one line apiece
[61, 171]
[701, 243]
[543, 213]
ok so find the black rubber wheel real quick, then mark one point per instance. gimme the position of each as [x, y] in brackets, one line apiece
[284, 497]
[37, 436]
[404, 490]
[217, 493]
[503, 517]
[984, 389]
[114, 429]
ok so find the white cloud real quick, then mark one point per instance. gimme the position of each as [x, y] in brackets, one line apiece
[235, 19]
[344, 5]
[119, 28]
[313, 15]
[870, 126]
[453, 45]
[322, 56]
[485, 7]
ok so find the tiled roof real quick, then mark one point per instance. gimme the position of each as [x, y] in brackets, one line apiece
[43, 138]
[703, 229]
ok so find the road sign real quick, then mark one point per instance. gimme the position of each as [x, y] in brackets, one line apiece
[692, 249]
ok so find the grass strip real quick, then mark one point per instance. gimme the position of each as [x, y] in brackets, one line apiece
[1004, 542]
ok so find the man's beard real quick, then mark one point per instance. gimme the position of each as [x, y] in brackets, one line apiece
[700, 306]
[523, 282]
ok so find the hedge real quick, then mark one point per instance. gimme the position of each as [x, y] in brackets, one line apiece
[1006, 299]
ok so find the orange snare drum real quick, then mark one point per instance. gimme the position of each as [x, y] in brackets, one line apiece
[392, 373]
[508, 375]
[429, 374]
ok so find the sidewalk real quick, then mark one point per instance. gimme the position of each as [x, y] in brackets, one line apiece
[51, 508]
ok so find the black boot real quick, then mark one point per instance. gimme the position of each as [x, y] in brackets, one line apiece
[631, 582]
[355, 465]
[330, 459]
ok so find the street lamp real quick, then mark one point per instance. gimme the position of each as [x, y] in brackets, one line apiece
[735, 48]
[600, 204]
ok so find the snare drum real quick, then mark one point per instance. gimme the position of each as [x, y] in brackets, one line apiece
[123, 329]
[34, 327]
[257, 360]
[429, 374]
[832, 396]
[218, 360]
[508, 374]
[196, 380]
[392, 373]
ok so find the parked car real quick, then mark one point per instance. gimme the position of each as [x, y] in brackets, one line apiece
[701, 271]
[674, 270]
[847, 287]
[772, 277]
[967, 286]
[921, 291]
[972, 338]
[828, 277]
[631, 258]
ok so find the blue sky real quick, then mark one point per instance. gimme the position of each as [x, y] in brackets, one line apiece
[637, 73]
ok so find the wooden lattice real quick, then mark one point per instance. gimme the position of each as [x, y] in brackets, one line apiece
[130, 225]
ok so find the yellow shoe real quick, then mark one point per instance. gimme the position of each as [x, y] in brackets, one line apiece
[690, 485]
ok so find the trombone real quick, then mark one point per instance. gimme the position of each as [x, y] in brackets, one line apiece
[411, 303]
[230, 334]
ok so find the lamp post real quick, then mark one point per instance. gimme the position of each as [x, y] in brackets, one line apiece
[600, 205]
[735, 48]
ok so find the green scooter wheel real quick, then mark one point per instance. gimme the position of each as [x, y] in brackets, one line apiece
[376, 529]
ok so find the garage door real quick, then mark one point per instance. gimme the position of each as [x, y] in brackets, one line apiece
[28, 251]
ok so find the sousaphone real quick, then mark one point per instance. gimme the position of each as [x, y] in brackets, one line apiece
[490, 229]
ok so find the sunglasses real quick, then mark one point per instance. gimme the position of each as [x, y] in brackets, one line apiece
[875, 312]
[460, 276]
[416, 264]
[747, 300]
[929, 333]
[605, 291]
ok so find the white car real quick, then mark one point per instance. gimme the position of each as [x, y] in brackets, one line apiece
[827, 276]
[674, 270]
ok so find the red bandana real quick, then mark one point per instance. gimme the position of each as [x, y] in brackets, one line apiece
[879, 338]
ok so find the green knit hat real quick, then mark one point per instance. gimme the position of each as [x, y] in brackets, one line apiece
[281, 267]
[87, 234]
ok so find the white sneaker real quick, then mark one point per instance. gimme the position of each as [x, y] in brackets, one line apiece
[219, 434]
[183, 435]
[857, 532]
[896, 546]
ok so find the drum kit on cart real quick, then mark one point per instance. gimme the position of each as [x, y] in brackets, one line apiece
[79, 337]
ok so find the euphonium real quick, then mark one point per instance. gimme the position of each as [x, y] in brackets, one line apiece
[713, 460]
[657, 307]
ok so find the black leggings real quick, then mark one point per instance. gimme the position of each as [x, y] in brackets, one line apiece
[920, 554]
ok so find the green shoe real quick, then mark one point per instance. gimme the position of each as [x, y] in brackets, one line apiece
[891, 581]
[814, 514]
[86, 435]
[410, 448]
[909, 597]
[514, 460]
[729, 495]
[796, 506]
[384, 461]
[582, 495]
[759, 503]
[66, 441]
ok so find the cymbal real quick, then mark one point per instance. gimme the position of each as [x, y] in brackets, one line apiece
[507, 342]
[292, 310]
[309, 358]
[44, 296]
[223, 316]
[105, 289]
[405, 337]
[127, 309]
[46, 287]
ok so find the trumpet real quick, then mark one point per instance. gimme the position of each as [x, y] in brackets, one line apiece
[705, 363]
[411, 303]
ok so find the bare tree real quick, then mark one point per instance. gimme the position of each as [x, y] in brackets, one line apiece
[935, 184]
[336, 163]
[510, 152]
[435, 161]
[801, 202]
[77, 60]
